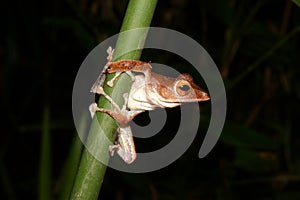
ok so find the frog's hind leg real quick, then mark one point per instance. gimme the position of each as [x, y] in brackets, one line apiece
[123, 116]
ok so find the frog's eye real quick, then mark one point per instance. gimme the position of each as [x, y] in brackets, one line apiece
[183, 88]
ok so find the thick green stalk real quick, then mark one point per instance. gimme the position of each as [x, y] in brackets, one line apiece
[70, 168]
[91, 172]
[45, 161]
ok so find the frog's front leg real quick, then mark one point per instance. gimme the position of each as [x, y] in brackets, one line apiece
[127, 66]
[125, 145]
[101, 78]
[110, 83]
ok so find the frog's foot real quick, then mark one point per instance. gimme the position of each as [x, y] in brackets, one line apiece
[110, 52]
[126, 156]
[93, 108]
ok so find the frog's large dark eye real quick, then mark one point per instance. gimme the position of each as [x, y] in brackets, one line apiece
[183, 87]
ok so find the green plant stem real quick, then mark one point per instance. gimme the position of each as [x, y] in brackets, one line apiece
[70, 168]
[45, 161]
[91, 172]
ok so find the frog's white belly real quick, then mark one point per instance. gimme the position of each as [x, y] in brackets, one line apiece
[137, 99]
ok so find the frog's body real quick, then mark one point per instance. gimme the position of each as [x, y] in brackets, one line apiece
[148, 91]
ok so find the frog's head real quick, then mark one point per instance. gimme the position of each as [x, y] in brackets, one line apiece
[171, 92]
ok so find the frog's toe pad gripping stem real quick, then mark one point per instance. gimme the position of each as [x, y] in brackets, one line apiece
[93, 108]
[110, 52]
[100, 90]
[110, 83]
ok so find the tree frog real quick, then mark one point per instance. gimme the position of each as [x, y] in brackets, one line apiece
[148, 91]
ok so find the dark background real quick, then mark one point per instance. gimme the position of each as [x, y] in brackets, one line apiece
[257, 157]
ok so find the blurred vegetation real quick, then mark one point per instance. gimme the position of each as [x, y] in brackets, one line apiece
[255, 44]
